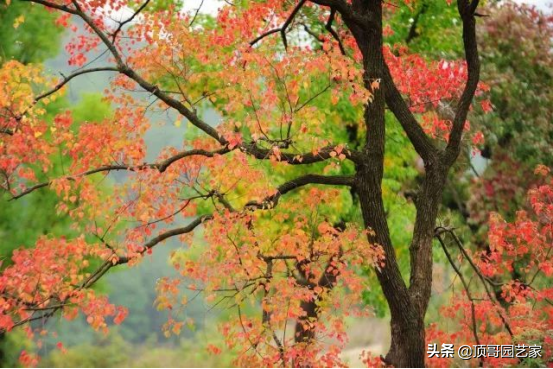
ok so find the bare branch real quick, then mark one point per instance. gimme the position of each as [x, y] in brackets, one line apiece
[68, 78]
[128, 20]
[466, 11]
[263, 35]
[196, 14]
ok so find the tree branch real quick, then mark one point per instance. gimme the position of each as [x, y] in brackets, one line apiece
[129, 72]
[108, 264]
[413, 33]
[466, 11]
[68, 78]
[421, 142]
[105, 267]
[105, 168]
[63, 8]
[282, 190]
[304, 158]
[328, 27]
[281, 29]
[465, 286]
[272, 201]
[251, 149]
[161, 167]
[483, 279]
[348, 14]
[168, 234]
[175, 104]
[128, 20]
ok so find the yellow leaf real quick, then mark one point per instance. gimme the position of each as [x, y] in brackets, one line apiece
[177, 123]
[18, 20]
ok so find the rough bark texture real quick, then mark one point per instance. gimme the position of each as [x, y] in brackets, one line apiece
[408, 305]
[407, 329]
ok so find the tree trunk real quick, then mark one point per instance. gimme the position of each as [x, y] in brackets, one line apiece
[427, 205]
[407, 322]
[3, 359]
[304, 333]
[407, 305]
[407, 349]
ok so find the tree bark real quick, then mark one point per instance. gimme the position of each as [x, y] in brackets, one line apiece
[304, 333]
[407, 328]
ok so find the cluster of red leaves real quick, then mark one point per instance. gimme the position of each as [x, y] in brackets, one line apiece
[54, 275]
[431, 88]
[514, 304]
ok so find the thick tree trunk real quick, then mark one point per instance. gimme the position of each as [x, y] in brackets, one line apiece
[407, 348]
[407, 324]
[407, 305]
[407, 321]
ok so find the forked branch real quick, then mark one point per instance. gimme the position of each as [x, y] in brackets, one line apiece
[282, 29]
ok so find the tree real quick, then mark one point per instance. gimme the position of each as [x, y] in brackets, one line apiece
[281, 101]
[24, 31]
[21, 224]
[518, 135]
[511, 301]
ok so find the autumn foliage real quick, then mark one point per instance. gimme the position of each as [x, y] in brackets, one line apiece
[262, 201]
[510, 301]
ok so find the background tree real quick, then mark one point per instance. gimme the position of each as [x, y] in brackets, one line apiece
[21, 224]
